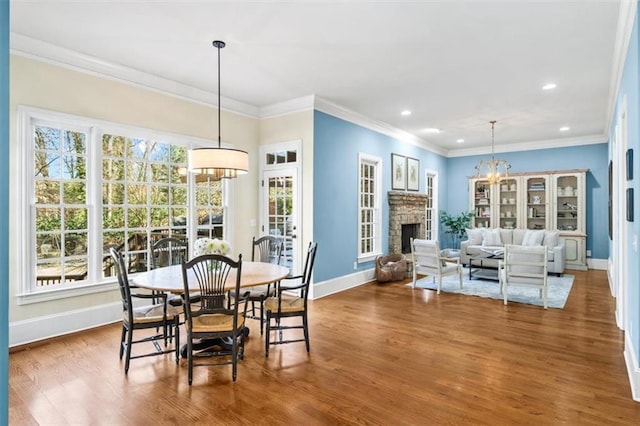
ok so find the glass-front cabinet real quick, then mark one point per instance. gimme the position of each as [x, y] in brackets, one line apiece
[536, 200]
[569, 191]
[481, 203]
[508, 205]
[569, 212]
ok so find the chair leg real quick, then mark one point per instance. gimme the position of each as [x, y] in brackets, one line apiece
[234, 357]
[177, 325]
[268, 333]
[122, 337]
[261, 316]
[190, 358]
[504, 294]
[439, 283]
[127, 358]
[460, 276]
[305, 328]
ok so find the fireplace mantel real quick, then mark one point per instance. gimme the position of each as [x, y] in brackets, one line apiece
[405, 208]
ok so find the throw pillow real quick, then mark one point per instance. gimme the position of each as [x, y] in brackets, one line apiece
[474, 235]
[533, 238]
[551, 238]
[491, 237]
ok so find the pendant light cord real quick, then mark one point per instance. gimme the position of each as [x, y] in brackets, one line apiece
[493, 123]
[219, 45]
[219, 121]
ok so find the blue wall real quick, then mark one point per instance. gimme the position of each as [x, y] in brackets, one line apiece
[336, 147]
[592, 157]
[337, 144]
[629, 87]
[4, 211]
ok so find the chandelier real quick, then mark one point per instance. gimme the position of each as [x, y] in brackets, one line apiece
[218, 163]
[493, 171]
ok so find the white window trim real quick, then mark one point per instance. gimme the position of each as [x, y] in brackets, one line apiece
[434, 203]
[378, 208]
[95, 128]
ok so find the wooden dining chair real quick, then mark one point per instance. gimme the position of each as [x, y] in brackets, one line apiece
[267, 249]
[167, 252]
[137, 317]
[285, 304]
[210, 318]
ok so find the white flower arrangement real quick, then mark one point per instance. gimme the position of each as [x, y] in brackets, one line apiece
[211, 246]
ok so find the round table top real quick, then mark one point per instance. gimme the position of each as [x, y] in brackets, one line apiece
[169, 278]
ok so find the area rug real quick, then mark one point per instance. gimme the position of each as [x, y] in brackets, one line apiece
[559, 288]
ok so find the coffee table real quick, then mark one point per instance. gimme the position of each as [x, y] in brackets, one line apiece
[478, 269]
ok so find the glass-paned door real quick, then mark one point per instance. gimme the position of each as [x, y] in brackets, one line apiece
[431, 224]
[280, 215]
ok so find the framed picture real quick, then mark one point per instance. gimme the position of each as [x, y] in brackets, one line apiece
[629, 204]
[630, 164]
[398, 172]
[413, 174]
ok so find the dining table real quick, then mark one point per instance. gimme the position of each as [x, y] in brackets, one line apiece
[168, 279]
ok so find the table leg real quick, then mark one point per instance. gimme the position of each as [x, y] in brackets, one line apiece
[203, 344]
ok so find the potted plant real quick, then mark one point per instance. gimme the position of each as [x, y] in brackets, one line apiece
[456, 225]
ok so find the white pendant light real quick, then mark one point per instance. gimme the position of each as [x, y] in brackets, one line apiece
[218, 163]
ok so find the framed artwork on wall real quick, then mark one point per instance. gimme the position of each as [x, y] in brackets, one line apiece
[629, 204]
[413, 174]
[398, 172]
[630, 164]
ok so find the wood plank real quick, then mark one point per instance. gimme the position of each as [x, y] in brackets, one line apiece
[380, 354]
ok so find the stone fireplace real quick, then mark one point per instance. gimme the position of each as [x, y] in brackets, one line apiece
[409, 209]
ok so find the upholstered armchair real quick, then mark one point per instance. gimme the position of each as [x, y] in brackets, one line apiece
[392, 267]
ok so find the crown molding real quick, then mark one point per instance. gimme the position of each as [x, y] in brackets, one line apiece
[626, 18]
[45, 52]
[346, 114]
[531, 146]
[292, 106]
[52, 54]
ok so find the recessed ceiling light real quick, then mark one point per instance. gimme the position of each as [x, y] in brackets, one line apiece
[549, 86]
[565, 128]
[459, 140]
[431, 130]
[406, 112]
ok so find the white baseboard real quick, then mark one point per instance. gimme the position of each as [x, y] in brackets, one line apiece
[335, 285]
[632, 367]
[601, 264]
[45, 327]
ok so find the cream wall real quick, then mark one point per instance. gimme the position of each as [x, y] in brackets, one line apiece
[287, 128]
[46, 86]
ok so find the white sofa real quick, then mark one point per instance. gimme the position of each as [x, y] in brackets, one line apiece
[481, 241]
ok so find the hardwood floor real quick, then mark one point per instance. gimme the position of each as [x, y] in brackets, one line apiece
[380, 354]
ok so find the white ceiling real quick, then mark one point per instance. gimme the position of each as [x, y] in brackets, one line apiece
[454, 64]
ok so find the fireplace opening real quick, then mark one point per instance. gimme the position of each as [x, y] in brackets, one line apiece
[409, 230]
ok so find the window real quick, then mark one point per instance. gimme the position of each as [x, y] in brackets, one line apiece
[369, 210]
[60, 210]
[144, 196]
[431, 222]
[91, 185]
